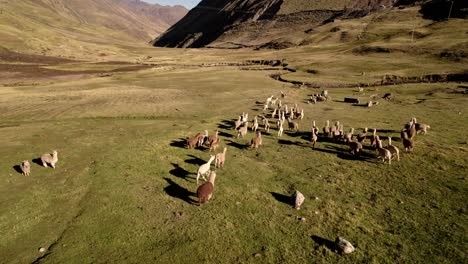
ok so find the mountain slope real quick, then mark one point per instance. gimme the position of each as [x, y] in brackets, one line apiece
[268, 23]
[43, 25]
[214, 20]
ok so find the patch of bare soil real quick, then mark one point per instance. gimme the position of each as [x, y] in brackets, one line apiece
[11, 56]
[17, 73]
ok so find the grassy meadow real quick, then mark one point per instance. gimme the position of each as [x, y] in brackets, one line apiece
[123, 188]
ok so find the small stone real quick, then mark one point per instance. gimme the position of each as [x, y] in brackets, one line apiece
[303, 219]
[343, 246]
[179, 214]
[316, 198]
[41, 249]
[316, 212]
[257, 255]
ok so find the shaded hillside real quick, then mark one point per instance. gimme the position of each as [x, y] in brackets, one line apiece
[442, 9]
[247, 23]
[79, 26]
[281, 24]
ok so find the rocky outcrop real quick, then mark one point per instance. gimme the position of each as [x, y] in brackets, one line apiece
[207, 21]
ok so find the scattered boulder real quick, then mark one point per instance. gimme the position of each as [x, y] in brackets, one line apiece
[343, 246]
[298, 198]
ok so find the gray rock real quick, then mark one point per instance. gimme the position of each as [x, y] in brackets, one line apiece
[298, 198]
[343, 246]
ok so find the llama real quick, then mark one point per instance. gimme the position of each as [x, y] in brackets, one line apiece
[205, 169]
[408, 142]
[384, 153]
[238, 123]
[242, 131]
[214, 145]
[280, 128]
[361, 137]
[393, 149]
[256, 141]
[213, 138]
[266, 125]
[293, 126]
[50, 158]
[201, 138]
[205, 191]
[375, 138]
[25, 167]
[255, 124]
[326, 128]
[313, 138]
[220, 158]
[355, 148]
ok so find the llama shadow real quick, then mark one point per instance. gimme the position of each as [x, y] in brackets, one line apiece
[304, 135]
[369, 147]
[224, 134]
[287, 142]
[322, 138]
[180, 143]
[349, 156]
[226, 124]
[324, 242]
[38, 161]
[179, 171]
[195, 160]
[282, 198]
[366, 157]
[361, 105]
[17, 168]
[178, 191]
[326, 150]
[342, 101]
[388, 131]
[235, 144]
[345, 154]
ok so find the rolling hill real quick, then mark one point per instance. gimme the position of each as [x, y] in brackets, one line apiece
[79, 26]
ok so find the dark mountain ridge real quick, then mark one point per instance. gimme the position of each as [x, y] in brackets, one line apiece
[247, 23]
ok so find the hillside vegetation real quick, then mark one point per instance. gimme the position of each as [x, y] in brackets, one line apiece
[294, 6]
[67, 27]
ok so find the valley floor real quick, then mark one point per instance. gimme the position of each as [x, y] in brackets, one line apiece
[124, 187]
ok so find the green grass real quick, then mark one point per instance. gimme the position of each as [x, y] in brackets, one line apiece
[116, 191]
[121, 189]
